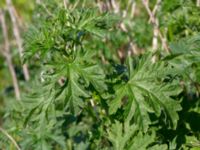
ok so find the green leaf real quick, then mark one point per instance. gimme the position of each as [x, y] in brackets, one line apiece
[117, 137]
[147, 93]
[126, 136]
[159, 147]
[73, 91]
[95, 75]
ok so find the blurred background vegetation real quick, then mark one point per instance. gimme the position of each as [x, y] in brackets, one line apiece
[23, 14]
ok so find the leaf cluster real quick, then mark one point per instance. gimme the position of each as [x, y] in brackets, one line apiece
[85, 97]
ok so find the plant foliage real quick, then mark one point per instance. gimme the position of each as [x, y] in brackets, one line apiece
[84, 96]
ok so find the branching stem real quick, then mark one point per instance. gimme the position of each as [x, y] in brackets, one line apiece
[154, 21]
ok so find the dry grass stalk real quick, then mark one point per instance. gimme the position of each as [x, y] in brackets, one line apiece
[7, 55]
[16, 33]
